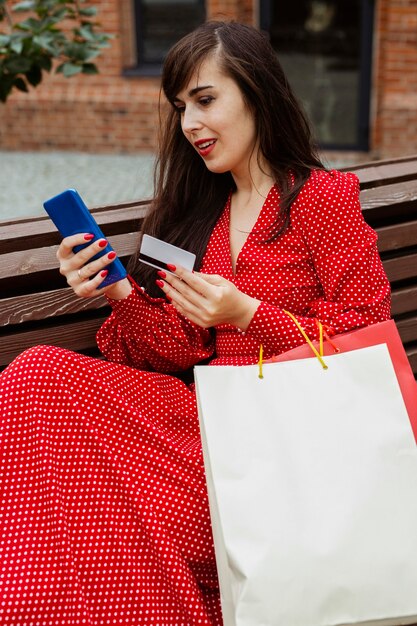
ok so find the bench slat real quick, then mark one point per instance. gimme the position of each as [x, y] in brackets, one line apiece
[412, 357]
[408, 329]
[397, 236]
[385, 173]
[41, 305]
[404, 300]
[24, 262]
[401, 268]
[390, 200]
[41, 231]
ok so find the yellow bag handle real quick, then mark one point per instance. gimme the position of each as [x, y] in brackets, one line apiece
[317, 354]
[260, 362]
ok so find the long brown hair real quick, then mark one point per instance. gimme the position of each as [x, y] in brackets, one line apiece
[188, 197]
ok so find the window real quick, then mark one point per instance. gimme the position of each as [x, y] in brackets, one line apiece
[325, 49]
[159, 24]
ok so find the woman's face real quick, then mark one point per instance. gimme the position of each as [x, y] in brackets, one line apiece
[216, 120]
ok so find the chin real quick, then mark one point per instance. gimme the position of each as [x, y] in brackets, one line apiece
[217, 169]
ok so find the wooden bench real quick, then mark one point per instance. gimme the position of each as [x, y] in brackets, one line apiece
[36, 305]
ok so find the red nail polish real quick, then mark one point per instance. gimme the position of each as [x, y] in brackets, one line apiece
[104, 273]
[88, 237]
[172, 268]
[102, 243]
[161, 274]
[111, 255]
[159, 283]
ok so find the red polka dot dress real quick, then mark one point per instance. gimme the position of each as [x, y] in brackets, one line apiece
[104, 517]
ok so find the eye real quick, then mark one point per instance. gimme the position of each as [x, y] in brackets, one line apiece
[205, 100]
[179, 107]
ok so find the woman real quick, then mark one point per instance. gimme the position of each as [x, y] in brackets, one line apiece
[105, 517]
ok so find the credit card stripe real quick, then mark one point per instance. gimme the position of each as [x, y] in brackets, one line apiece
[149, 259]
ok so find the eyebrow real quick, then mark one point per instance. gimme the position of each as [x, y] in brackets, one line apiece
[196, 90]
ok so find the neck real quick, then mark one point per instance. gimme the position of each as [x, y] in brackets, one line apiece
[252, 188]
[256, 179]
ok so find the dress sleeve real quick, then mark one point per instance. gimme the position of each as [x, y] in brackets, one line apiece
[148, 333]
[343, 251]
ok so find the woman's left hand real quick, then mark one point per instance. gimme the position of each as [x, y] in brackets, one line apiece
[207, 299]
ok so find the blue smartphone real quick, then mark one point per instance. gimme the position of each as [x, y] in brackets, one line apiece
[71, 217]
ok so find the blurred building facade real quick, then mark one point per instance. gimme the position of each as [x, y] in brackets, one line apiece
[353, 64]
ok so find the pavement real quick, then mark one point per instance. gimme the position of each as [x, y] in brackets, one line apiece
[29, 178]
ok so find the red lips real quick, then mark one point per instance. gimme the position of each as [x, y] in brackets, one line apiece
[205, 146]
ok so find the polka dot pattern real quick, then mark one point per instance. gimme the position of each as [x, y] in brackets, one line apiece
[104, 516]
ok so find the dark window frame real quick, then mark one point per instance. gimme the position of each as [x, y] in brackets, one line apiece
[362, 140]
[145, 68]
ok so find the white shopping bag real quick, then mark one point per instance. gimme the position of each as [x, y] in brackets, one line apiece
[312, 479]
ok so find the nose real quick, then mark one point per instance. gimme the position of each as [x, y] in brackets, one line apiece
[190, 120]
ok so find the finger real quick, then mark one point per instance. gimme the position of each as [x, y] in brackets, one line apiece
[66, 246]
[191, 312]
[87, 288]
[212, 279]
[194, 280]
[192, 304]
[179, 291]
[92, 268]
[85, 254]
[74, 268]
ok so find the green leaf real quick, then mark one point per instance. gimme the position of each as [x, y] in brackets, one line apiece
[85, 32]
[59, 14]
[45, 63]
[90, 53]
[29, 25]
[26, 5]
[43, 35]
[17, 64]
[2, 9]
[6, 85]
[34, 75]
[4, 92]
[78, 51]
[89, 68]
[89, 11]
[69, 69]
[47, 42]
[20, 84]
[16, 44]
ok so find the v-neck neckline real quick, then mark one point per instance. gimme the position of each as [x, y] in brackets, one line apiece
[234, 271]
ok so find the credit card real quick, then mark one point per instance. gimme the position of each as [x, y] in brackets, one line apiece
[158, 253]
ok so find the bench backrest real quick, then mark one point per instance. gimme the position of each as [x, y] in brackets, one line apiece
[36, 305]
[389, 204]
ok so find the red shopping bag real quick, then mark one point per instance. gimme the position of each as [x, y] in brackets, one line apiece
[383, 332]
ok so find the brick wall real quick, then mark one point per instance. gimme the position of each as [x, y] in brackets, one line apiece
[112, 113]
[103, 113]
[394, 106]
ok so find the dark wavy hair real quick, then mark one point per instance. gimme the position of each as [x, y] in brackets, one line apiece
[188, 197]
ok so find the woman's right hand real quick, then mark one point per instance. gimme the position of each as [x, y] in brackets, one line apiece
[77, 267]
